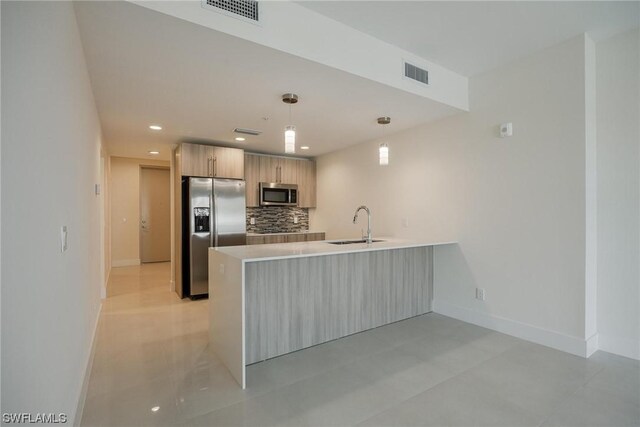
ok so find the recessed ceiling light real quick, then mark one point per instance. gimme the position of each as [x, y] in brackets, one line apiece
[155, 153]
[155, 409]
[239, 138]
[155, 127]
[304, 147]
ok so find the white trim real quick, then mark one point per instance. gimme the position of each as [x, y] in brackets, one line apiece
[621, 346]
[87, 372]
[559, 341]
[103, 288]
[592, 345]
[172, 285]
[124, 262]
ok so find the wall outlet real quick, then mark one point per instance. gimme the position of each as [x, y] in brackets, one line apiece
[405, 222]
[252, 221]
[295, 219]
[480, 294]
[221, 268]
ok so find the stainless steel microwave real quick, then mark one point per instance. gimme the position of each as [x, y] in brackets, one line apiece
[276, 194]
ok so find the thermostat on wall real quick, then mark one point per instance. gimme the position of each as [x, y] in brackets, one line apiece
[506, 129]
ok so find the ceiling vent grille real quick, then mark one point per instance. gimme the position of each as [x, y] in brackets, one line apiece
[247, 131]
[247, 9]
[416, 73]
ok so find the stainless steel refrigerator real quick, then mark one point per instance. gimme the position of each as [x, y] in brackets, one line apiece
[214, 212]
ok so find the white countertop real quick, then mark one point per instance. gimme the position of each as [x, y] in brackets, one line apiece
[318, 248]
[283, 233]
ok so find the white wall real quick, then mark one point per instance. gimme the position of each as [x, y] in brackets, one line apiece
[618, 106]
[50, 163]
[516, 205]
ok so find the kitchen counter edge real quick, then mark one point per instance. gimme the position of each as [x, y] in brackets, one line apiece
[278, 251]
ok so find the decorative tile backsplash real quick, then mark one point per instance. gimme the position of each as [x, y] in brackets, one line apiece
[277, 219]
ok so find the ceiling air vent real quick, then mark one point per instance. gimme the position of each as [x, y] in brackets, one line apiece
[247, 131]
[416, 73]
[245, 9]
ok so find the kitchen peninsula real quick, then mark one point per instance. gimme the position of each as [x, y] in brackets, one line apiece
[269, 300]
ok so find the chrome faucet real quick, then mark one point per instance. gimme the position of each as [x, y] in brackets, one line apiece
[355, 219]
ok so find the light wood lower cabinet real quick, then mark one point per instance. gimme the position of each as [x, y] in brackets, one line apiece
[284, 238]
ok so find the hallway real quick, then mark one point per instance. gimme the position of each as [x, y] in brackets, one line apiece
[148, 343]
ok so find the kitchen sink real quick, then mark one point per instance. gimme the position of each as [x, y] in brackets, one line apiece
[348, 242]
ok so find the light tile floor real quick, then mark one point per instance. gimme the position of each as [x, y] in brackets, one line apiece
[152, 353]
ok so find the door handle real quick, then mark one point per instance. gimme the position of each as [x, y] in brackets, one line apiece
[212, 223]
[208, 166]
[215, 166]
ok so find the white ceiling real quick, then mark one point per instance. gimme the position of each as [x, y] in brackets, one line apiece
[199, 84]
[475, 36]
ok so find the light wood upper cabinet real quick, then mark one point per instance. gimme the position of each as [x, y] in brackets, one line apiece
[261, 168]
[306, 181]
[269, 169]
[278, 169]
[227, 162]
[196, 160]
[210, 161]
[288, 171]
[252, 178]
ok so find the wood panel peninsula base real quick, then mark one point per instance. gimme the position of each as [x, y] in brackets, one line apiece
[269, 300]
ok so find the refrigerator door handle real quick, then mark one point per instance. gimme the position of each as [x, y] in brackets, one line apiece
[212, 222]
[214, 219]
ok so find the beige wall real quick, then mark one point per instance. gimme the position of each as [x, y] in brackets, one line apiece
[125, 208]
[515, 205]
[51, 142]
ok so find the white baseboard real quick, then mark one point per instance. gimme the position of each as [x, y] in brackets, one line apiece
[566, 343]
[125, 262]
[87, 372]
[592, 345]
[620, 346]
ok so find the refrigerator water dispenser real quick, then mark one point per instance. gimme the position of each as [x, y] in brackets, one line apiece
[201, 220]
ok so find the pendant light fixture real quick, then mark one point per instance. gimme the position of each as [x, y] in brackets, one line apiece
[290, 130]
[384, 148]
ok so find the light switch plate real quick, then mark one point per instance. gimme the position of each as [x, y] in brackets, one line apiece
[63, 239]
[506, 129]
